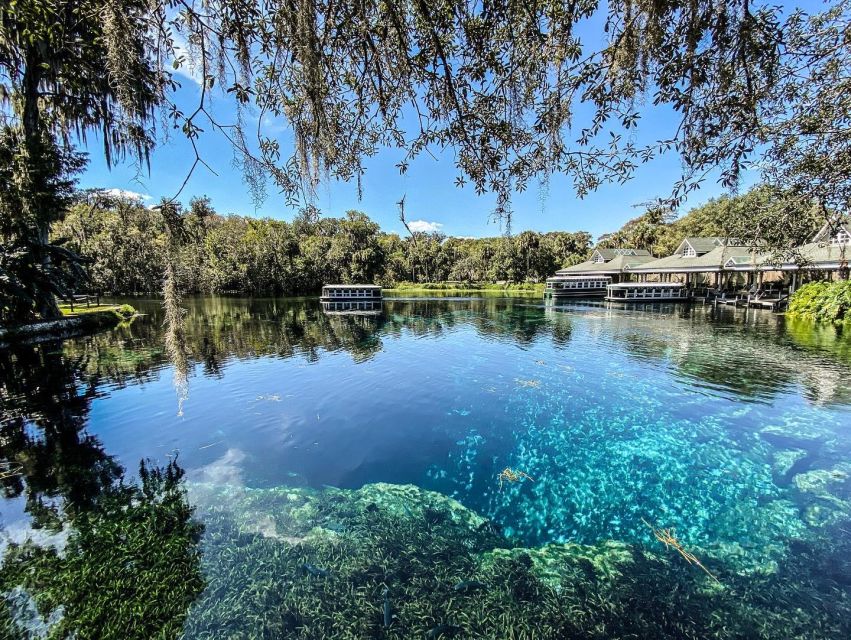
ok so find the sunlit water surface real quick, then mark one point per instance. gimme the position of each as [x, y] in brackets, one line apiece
[718, 423]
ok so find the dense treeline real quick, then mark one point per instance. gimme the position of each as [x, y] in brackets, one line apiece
[761, 217]
[128, 245]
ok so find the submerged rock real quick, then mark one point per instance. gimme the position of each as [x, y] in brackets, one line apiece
[553, 563]
[790, 437]
[785, 461]
[823, 482]
[826, 494]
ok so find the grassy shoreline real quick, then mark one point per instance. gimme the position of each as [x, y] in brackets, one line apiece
[470, 287]
[81, 320]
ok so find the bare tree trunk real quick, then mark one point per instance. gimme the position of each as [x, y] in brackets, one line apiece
[401, 204]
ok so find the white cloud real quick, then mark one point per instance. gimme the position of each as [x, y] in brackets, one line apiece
[188, 67]
[129, 195]
[425, 226]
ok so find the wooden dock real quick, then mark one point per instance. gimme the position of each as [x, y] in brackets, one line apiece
[773, 303]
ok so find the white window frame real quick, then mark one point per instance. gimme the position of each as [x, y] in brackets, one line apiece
[841, 238]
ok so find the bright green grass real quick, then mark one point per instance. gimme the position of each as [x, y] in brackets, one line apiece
[124, 310]
[468, 287]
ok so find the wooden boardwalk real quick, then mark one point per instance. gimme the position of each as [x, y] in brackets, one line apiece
[774, 303]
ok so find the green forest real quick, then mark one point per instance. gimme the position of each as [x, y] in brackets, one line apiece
[126, 246]
[500, 86]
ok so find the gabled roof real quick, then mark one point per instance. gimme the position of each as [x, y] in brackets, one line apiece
[713, 260]
[611, 254]
[702, 245]
[616, 265]
[825, 234]
[820, 255]
[813, 255]
[740, 261]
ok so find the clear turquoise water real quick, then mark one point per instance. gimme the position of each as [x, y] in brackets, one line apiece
[732, 428]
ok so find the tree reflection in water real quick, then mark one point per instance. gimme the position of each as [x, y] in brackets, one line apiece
[130, 564]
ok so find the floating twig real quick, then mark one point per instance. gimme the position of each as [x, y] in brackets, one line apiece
[10, 470]
[669, 539]
[512, 475]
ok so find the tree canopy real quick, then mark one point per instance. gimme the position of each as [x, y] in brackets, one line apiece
[129, 248]
[523, 90]
[769, 219]
[517, 90]
[67, 70]
[520, 90]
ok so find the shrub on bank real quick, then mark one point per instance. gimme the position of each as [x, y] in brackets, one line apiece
[125, 311]
[823, 302]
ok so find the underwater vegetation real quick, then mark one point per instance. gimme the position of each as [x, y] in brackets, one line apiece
[396, 561]
[130, 568]
[387, 561]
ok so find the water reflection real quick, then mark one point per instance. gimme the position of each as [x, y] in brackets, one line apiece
[352, 307]
[88, 552]
[754, 356]
[46, 398]
[617, 414]
[219, 329]
[751, 354]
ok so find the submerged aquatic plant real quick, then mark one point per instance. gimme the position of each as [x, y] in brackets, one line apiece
[669, 539]
[450, 571]
[129, 569]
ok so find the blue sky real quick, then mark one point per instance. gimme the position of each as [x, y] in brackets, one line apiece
[432, 199]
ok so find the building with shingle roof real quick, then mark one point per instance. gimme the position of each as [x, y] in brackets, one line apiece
[697, 255]
[721, 258]
[608, 262]
[828, 251]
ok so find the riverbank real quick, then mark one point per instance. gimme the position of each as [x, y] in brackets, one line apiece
[467, 287]
[79, 321]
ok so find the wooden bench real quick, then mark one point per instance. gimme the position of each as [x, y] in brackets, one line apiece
[84, 297]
